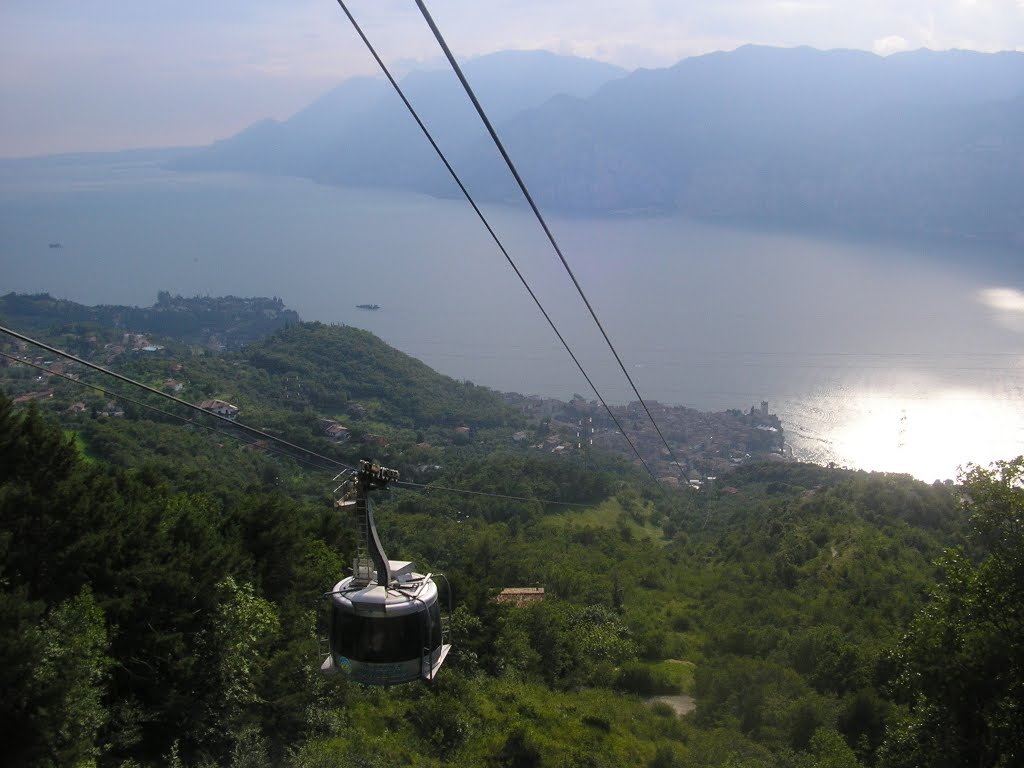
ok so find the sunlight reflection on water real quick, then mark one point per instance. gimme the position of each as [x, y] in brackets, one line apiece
[928, 435]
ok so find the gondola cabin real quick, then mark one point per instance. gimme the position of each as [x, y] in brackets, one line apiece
[386, 636]
[386, 622]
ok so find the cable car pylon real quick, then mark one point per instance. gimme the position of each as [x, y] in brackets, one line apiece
[386, 626]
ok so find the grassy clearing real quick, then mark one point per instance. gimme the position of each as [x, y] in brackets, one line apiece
[679, 672]
[610, 514]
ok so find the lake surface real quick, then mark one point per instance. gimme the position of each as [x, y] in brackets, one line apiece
[874, 356]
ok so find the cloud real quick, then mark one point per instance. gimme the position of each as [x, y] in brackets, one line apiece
[1003, 299]
[794, 6]
[1008, 304]
[891, 44]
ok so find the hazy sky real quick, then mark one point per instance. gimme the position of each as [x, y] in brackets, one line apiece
[115, 74]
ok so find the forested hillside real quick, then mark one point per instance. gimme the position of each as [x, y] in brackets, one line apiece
[225, 322]
[160, 593]
[336, 364]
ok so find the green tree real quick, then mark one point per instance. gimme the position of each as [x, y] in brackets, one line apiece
[570, 645]
[243, 627]
[520, 750]
[828, 750]
[827, 660]
[20, 640]
[72, 674]
[961, 664]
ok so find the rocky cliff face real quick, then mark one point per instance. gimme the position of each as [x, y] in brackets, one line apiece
[922, 144]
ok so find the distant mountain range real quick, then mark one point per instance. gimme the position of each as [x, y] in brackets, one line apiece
[915, 144]
[361, 134]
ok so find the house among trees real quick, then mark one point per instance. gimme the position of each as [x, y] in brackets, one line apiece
[220, 407]
[334, 431]
[42, 395]
[112, 410]
[520, 596]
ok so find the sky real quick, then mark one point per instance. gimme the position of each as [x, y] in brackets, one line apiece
[121, 74]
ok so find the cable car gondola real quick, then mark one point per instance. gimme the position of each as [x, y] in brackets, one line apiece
[386, 625]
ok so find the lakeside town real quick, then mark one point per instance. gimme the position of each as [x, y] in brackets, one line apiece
[701, 445]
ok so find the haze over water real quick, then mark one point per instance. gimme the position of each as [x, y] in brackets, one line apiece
[872, 355]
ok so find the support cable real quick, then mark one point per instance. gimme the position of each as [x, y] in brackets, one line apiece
[161, 411]
[264, 435]
[178, 400]
[536, 211]
[490, 230]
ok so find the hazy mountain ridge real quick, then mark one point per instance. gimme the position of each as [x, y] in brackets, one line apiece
[360, 133]
[920, 143]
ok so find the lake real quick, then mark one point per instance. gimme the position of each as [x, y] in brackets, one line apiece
[876, 356]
